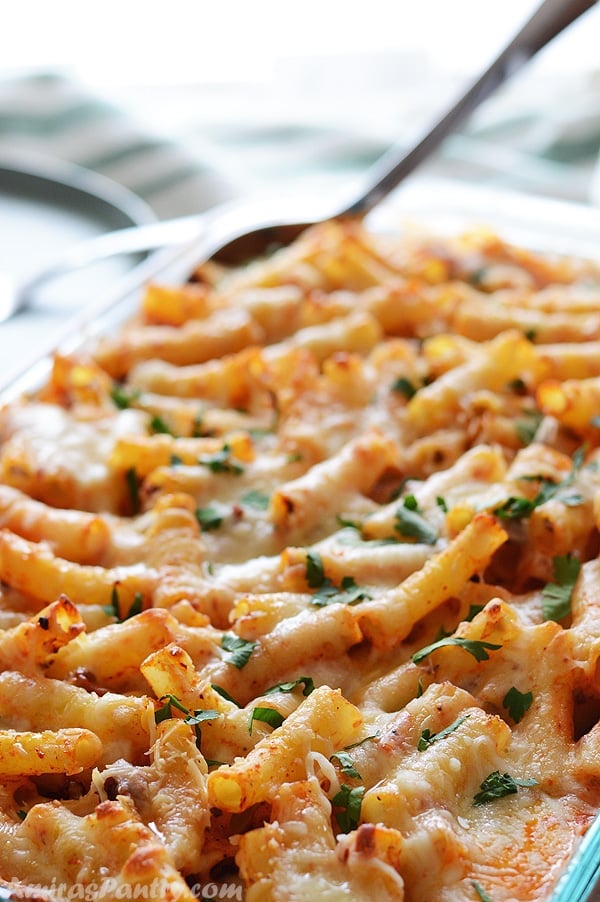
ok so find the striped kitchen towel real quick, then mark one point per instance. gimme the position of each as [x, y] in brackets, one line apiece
[54, 117]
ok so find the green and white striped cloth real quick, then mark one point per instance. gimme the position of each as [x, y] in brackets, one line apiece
[50, 116]
[537, 135]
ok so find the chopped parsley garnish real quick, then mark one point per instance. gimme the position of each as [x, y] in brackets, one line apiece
[158, 426]
[442, 633]
[515, 508]
[199, 717]
[345, 523]
[355, 745]
[224, 694]
[483, 896]
[255, 499]
[410, 523]
[527, 427]
[517, 703]
[556, 596]
[474, 610]
[315, 572]
[209, 517]
[497, 785]
[266, 715]
[441, 503]
[478, 276]
[21, 814]
[114, 608]
[133, 487]
[475, 647]
[122, 397]
[427, 738]
[198, 424]
[346, 764]
[305, 681]
[175, 460]
[194, 719]
[404, 386]
[348, 592]
[240, 650]
[221, 462]
[166, 712]
[348, 801]
[136, 606]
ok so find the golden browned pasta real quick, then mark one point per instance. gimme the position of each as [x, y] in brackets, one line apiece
[300, 583]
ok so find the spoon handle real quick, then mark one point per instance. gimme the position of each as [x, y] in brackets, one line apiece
[550, 18]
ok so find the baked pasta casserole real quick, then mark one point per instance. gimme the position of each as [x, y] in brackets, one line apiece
[300, 583]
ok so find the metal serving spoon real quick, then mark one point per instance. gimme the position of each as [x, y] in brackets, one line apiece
[234, 233]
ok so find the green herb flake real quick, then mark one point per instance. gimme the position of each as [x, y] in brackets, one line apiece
[441, 503]
[474, 610]
[221, 462]
[497, 785]
[556, 596]
[527, 426]
[306, 682]
[517, 703]
[21, 814]
[240, 650]
[158, 426]
[475, 647]
[346, 764]
[197, 718]
[114, 608]
[355, 745]
[347, 593]
[516, 508]
[198, 424]
[123, 397]
[256, 500]
[137, 606]
[266, 715]
[224, 694]
[209, 517]
[133, 487]
[404, 386]
[345, 523]
[348, 801]
[315, 572]
[427, 738]
[481, 893]
[166, 711]
[410, 523]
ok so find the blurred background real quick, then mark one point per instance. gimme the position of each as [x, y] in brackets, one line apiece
[187, 104]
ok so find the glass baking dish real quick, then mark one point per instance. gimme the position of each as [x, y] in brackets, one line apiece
[430, 205]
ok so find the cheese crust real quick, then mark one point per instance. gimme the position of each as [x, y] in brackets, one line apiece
[300, 586]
